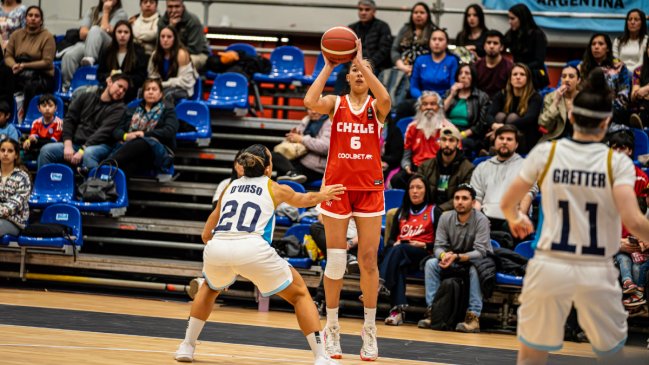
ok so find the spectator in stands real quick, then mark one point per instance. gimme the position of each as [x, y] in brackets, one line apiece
[12, 18]
[519, 104]
[125, 55]
[172, 64]
[447, 170]
[391, 147]
[313, 133]
[434, 72]
[492, 177]
[375, 35]
[237, 172]
[473, 33]
[413, 38]
[145, 25]
[421, 140]
[640, 93]
[7, 129]
[96, 27]
[376, 38]
[466, 107]
[146, 135]
[30, 54]
[493, 69]
[189, 29]
[462, 236]
[631, 47]
[553, 121]
[14, 190]
[88, 126]
[411, 238]
[527, 43]
[599, 54]
[46, 129]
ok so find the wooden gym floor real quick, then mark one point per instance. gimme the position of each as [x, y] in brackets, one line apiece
[44, 327]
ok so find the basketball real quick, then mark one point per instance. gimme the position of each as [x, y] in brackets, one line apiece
[338, 44]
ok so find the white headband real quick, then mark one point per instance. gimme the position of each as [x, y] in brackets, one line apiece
[590, 113]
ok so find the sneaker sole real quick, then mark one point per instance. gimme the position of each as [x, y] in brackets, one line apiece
[368, 358]
[184, 359]
[336, 356]
[466, 331]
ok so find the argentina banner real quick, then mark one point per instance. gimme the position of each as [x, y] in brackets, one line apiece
[575, 8]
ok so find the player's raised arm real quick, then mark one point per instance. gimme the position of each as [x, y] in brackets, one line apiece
[383, 101]
[284, 194]
[313, 99]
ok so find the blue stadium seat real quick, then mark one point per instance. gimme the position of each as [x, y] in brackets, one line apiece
[116, 208]
[299, 231]
[243, 47]
[33, 113]
[525, 249]
[297, 187]
[641, 143]
[545, 91]
[403, 124]
[198, 115]
[229, 92]
[478, 160]
[319, 65]
[393, 199]
[8, 239]
[287, 62]
[64, 214]
[134, 103]
[315, 184]
[54, 184]
[84, 76]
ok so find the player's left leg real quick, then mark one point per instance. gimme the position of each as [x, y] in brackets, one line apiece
[202, 306]
[530, 356]
[369, 232]
[307, 315]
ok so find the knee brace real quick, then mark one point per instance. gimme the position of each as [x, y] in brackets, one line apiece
[336, 263]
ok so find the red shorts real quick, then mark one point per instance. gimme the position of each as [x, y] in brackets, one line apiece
[355, 203]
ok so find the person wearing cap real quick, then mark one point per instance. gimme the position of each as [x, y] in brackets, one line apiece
[492, 177]
[422, 136]
[376, 38]
[462, 237]
[88, 126]
[447, 170]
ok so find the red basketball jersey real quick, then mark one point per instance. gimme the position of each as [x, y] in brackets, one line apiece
[418, 227]
[354, 150]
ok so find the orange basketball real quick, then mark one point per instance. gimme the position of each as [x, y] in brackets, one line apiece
[338, 44]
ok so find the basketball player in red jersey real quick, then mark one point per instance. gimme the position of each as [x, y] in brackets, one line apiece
[354, 161]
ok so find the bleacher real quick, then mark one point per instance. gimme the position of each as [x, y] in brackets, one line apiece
[157, 239]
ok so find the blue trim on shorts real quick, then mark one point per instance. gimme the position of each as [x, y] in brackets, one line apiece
[612, 351]
[217, 288]
[539, 347]
[279, 289]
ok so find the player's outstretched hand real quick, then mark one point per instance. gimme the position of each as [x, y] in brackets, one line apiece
[331, 192]
[522, 227]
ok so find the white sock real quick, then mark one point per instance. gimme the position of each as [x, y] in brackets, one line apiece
[315, 342]
[370, 317]
[194, 328]
[332, 317]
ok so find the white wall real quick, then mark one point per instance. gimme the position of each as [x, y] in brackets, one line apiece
[64, 14]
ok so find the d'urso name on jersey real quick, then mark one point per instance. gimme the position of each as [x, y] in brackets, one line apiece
[579, 177]
[254, 189]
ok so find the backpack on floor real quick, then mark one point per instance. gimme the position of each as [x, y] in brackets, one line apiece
[450, 302]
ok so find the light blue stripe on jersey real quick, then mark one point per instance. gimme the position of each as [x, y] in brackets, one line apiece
[269, 229]
[539, 227]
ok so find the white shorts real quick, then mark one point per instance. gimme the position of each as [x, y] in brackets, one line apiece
[550, 288]
[250, 257]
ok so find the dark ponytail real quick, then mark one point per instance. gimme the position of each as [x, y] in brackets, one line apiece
[594, 102]
[254, 160]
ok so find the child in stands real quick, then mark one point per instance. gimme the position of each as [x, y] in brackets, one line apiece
[7, 129]
[45, 129]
